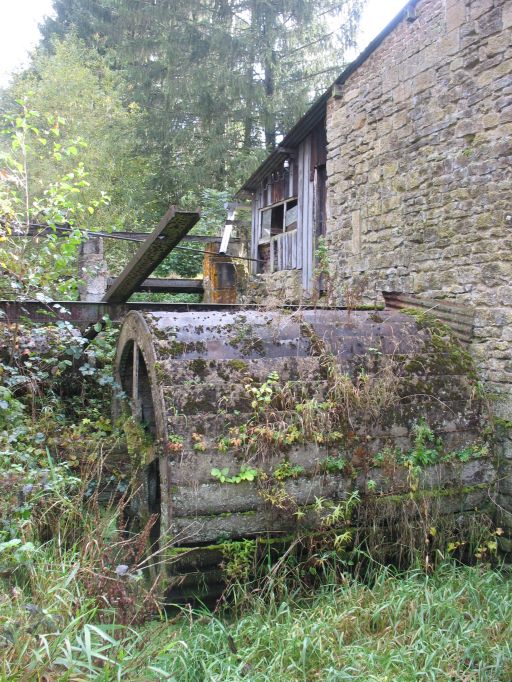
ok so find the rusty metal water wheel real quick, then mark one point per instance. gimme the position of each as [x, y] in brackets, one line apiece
[186, 374]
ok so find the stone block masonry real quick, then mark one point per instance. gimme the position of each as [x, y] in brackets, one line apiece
[420, 167]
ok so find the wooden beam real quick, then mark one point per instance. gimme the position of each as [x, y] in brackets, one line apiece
[156, 285]
[169, 232]
[84, 313]
[37, 231]
[202, 238]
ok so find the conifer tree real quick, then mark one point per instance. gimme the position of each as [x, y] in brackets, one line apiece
[218, 82]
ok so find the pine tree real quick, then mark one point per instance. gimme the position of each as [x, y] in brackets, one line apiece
[218, 82]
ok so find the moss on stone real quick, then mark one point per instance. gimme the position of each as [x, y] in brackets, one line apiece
[199, 367]
[238, 365]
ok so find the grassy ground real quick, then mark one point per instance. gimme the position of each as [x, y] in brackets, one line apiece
[455, 624]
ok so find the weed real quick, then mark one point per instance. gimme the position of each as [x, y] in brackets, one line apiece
[238, 559]
[334, 465]
[426, 445]
[174, 442]
[286, 470]
[245, 474]
[262, 395]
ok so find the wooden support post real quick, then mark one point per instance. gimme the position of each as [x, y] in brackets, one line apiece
[92, 270]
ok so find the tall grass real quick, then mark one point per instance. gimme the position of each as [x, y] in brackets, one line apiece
[453, 624]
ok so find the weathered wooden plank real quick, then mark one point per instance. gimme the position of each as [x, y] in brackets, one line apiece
[171, 229]
[218, 498]
[300, 204]
[305, 209]
[169, 286]
[254, 234]
[307, 220]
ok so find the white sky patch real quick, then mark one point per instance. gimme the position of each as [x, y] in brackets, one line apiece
[376, 16]
[19, 32]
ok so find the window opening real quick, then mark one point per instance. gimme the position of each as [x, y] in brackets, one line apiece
[275, 222]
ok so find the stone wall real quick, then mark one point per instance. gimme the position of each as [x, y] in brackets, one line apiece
[419, 172]
[273, 289]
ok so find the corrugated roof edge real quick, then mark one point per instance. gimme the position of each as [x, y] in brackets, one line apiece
[317, 110]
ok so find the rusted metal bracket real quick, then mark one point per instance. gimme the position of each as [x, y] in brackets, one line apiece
[169, 232]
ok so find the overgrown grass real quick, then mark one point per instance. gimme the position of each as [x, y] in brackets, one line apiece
[74, 604]
[453, 624]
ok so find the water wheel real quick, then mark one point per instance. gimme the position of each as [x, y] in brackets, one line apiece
[227, 396]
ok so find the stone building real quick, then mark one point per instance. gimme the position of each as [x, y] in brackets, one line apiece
[403, 168]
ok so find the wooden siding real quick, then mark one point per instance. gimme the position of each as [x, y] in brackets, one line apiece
[284, 248]
[294, 249]
[305, 193]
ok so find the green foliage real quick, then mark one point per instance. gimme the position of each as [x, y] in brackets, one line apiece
[334, 465]
[93, 104]
[220, 83]
[15, 553]
[262, 395]
[371, 485]
[238, 559]
[428, 450]
[11, 410]
[450, 624]
[474, 451]
[40, 273]
[35, 358]
[335, 514]
[286, 470]
[453, 622]
[245, 474]
[426, 446]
